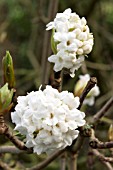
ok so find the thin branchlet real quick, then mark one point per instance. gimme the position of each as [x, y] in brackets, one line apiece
[103, 110]
[91, 83]
[57, 80]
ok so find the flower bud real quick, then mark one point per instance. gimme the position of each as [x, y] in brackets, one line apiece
[81, 84]
[87, 48]
[82, 36]
[53, 43]
[110, 132]
[8, 70]
[83, 21]
[79, 88]
[80, 51]
[5, 98]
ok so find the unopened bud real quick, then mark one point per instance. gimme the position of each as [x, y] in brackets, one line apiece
[110, 132]
[79, 88]
[8, 70]
[53, 43]
[5, 98]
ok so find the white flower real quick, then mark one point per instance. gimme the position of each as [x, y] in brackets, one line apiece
[60, 18]
[76, 64]
[79, 87]
[49, 119]
[62, 60]
[71, 35]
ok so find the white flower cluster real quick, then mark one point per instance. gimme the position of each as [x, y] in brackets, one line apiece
[49, 119]
[73, 41]
[79, 87]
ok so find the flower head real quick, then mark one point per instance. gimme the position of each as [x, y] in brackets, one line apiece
[49, 119]
[72, 37]
[79, 87]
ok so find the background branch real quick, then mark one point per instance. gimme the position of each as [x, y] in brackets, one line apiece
[103, 110]
[63, 161]
[52, 10]
[101, 156]
[47, 161]
[11, 149]
[102, 159]
[91, 83]
[4, 166]
[96, 144]
[57, 80]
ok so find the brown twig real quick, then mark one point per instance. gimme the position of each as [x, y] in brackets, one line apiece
[47, 161]
[103, 110]
[91, 83]
[57, 80]
[90, 160]
[4, 166]
[72, 161]
[103, 159]
[2, 124]
[76, 146]
[15, 140]
[96, 144]
[63, 161]
[10, 149]
[52, 9]
[101, 156]
[4, 129]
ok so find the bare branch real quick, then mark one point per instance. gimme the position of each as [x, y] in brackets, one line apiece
[63, 161]
[104, 160]
[103, 110]
[91, 83]
[47, 161]
[9, 149]
[90, 160]
[76, 146]
[72, 161]
[14, 140]
[52, 9]
[101, 156]
[57, 80]
[4, 166]
[4, 130]
[98, 66]
[96, 144]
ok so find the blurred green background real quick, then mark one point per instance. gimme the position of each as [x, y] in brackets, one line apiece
[22, 32]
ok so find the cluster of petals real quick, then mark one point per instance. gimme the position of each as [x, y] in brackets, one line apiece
[73, 41]
[80, 85]
[49, 119]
